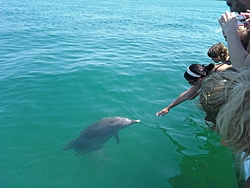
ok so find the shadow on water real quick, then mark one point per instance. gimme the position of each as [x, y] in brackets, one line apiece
[212, 167]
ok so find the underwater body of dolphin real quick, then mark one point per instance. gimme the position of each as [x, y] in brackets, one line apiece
[95, 135]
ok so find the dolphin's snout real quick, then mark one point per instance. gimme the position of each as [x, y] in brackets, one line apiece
[137, 121]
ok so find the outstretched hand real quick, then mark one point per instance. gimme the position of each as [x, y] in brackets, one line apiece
[162, 112]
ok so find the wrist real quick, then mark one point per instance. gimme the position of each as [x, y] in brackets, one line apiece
[168, 108]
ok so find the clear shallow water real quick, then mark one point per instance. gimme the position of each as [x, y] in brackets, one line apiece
[66, 64]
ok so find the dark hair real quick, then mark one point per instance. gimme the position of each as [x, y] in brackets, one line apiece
[198, 69]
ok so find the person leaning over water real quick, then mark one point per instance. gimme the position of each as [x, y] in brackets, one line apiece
[225, 97]
[195, 74]
[219, 53]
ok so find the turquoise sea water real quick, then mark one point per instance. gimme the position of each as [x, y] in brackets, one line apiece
[66, 64]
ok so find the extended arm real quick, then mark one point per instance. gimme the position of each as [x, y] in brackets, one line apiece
[189, 94]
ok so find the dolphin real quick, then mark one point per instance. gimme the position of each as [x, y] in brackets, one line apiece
[95, 135]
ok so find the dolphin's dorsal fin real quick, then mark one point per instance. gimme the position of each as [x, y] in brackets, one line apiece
[117, 138]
